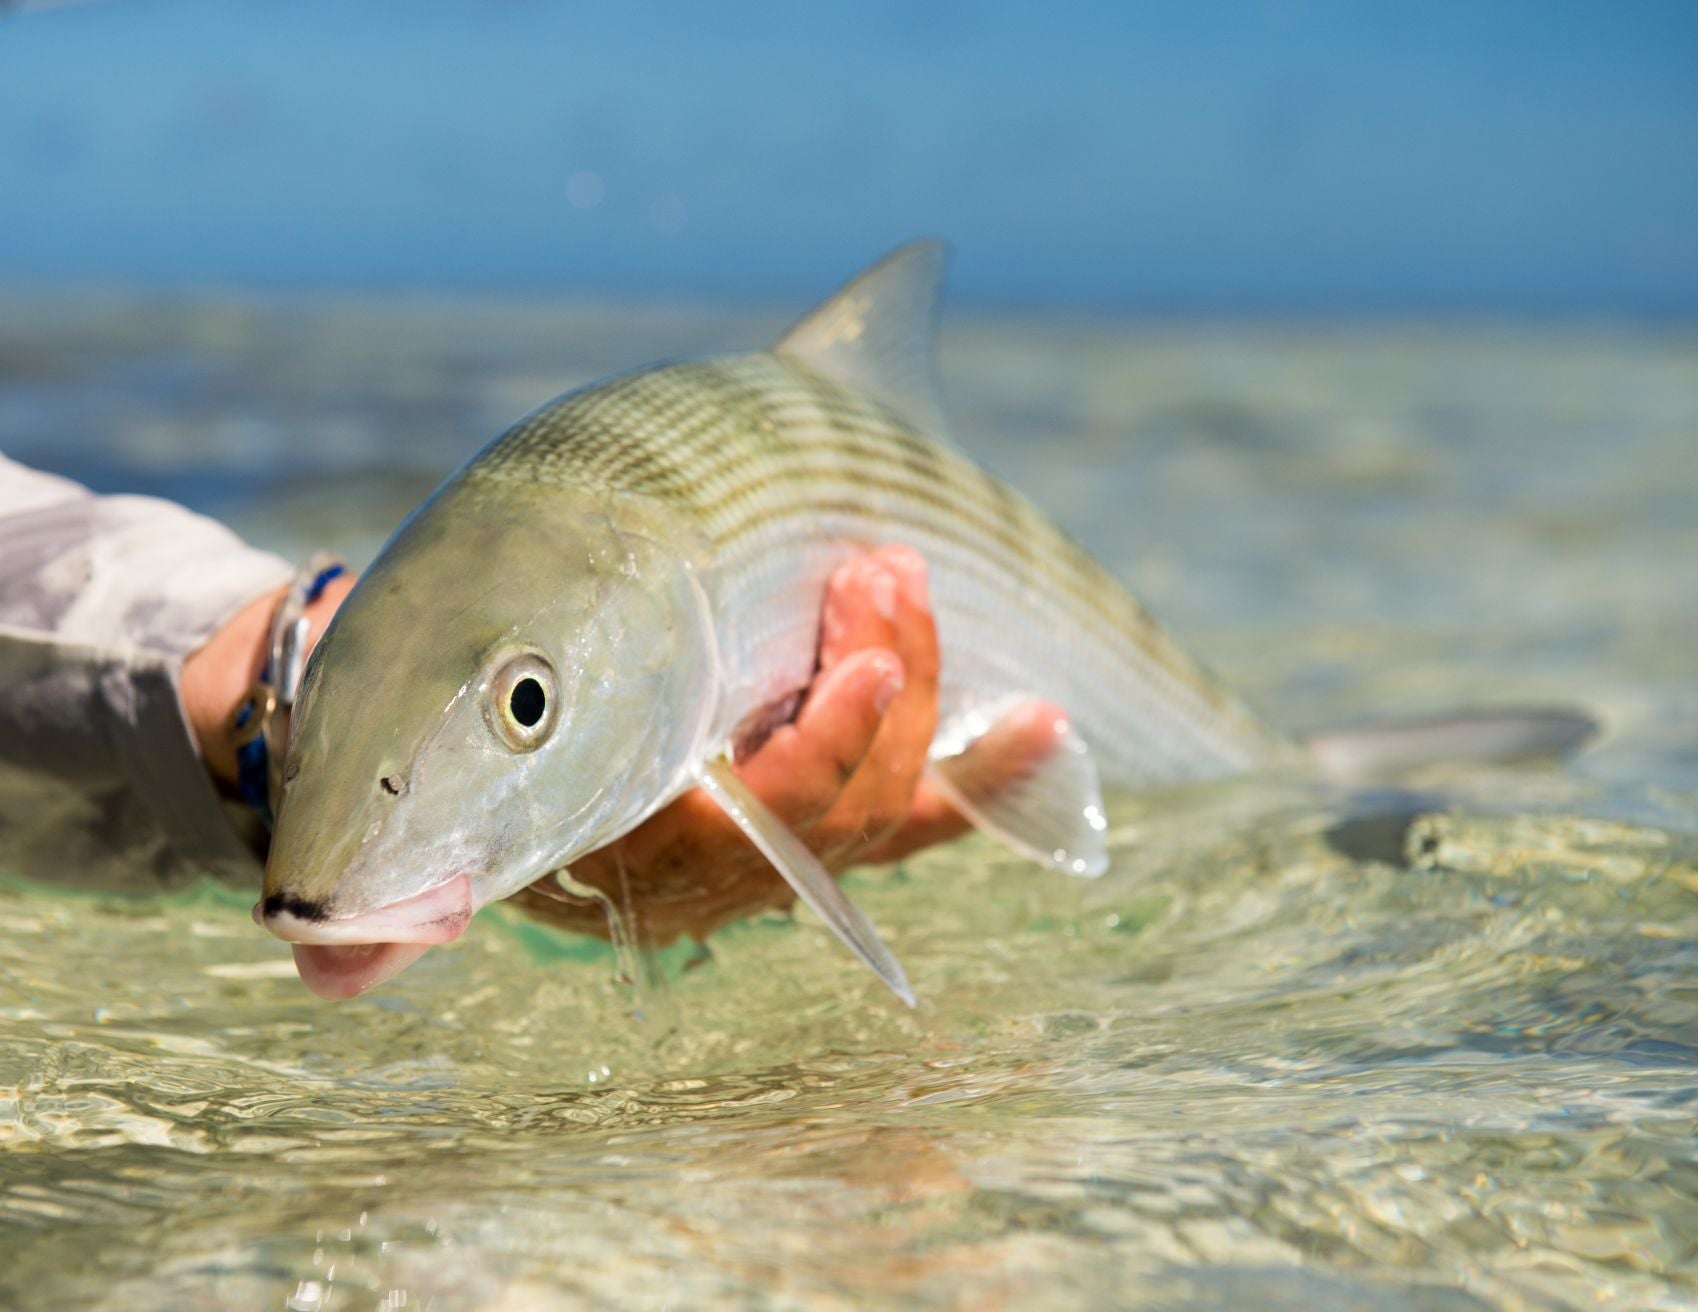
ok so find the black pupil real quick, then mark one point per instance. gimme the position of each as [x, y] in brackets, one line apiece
[528, 702]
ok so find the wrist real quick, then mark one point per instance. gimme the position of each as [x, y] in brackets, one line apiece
[218, 674]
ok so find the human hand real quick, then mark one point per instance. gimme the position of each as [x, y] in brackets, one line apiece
[847, 775]
[217, 675]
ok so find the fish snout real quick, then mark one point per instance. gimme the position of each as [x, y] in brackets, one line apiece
[343, 956]
[438, 915]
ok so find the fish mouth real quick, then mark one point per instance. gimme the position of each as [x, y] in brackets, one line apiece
[342, 957]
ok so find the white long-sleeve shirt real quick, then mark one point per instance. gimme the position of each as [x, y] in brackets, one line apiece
[101, 599]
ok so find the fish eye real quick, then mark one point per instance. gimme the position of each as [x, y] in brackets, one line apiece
[522, 702]
[528, 702]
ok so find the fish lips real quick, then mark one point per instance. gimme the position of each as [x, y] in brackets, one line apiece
[343, 957]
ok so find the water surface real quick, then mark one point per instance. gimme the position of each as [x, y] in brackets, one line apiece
[1426, 1047]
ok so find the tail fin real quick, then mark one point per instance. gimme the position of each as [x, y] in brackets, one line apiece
[1515, 733]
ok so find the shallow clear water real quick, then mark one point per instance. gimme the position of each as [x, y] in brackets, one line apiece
[1425, 1047]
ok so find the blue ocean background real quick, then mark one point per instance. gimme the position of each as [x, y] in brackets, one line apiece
[1313, 155]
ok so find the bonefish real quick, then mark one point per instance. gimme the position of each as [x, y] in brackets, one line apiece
[572, 630]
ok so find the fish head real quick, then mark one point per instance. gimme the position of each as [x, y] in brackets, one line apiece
[507, 687]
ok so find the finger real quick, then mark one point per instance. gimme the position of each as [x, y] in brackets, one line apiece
[916, 629]
[801, 770]
[859, 611]
[931, 820]
[1017, 744]
[878, 797]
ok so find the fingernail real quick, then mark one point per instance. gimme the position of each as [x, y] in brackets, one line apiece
[909, 566]
[891, 682]
[844, 574]
[881, 587]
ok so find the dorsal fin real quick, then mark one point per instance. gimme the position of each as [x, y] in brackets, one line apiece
[877, 333]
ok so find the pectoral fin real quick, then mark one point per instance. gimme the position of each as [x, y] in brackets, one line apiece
[802, 871]
[1052, 811]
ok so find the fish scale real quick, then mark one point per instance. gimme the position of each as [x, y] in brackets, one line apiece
[787, 474]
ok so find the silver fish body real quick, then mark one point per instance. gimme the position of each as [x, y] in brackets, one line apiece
[781, 474]
[651, 553]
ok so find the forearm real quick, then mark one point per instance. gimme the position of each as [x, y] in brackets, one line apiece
[102, 601]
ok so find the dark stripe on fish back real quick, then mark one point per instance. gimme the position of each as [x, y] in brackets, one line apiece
[743, 444]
